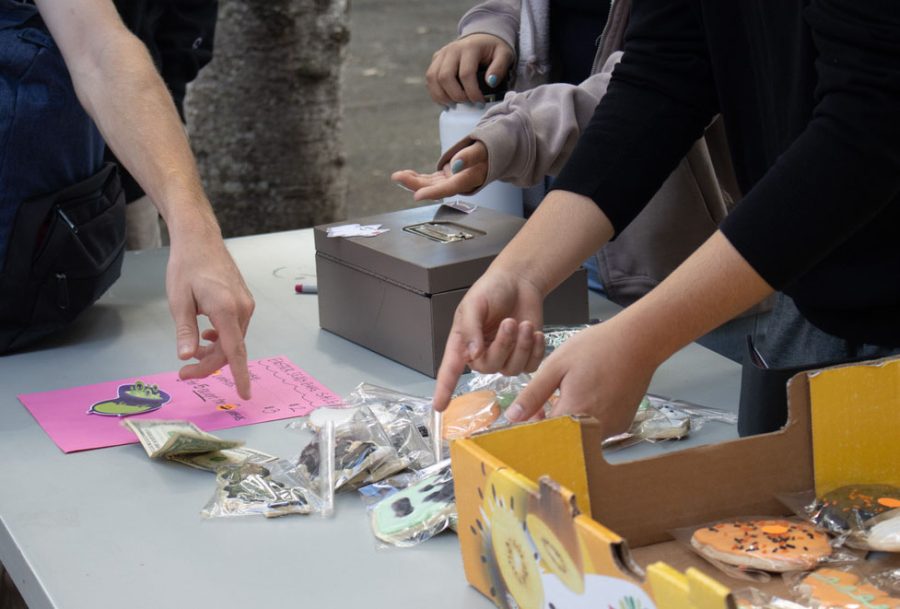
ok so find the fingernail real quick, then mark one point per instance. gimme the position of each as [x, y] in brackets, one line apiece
[184, 351]
[491, 80]
[457, 166]
[472, 349]
[514, 412]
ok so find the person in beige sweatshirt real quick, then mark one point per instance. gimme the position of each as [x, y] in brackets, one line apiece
[532, 133]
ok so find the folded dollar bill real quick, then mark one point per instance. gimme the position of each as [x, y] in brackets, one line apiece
[213, 461]
[164, 438]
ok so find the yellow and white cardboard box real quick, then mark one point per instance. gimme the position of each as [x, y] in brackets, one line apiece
[545, 522]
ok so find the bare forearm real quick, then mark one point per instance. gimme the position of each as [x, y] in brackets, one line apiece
[118, 85]
[714, 285]
[141, 125]
[562, 233]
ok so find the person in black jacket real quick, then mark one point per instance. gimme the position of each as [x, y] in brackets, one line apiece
[809, 91]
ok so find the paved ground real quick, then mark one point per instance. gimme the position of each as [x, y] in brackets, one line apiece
[390, 121]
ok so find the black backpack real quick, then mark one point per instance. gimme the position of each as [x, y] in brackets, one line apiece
[64, 252]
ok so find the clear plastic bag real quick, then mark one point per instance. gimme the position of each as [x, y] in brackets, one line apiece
[389, 403]
[865, 516]
[480, 403]
[404, 417]
[753, 598]
[468, 413]
[275, 489]
[887, 579]
[752, 547]
[363, 453]
[841, 588]
[408, 509]
[659, 418]
[555, 336]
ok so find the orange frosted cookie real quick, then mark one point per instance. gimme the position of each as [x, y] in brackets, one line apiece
[468, 413]
[835, 589]
[766, 544]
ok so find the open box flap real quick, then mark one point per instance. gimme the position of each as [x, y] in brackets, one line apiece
[848, 448]
[741, 477]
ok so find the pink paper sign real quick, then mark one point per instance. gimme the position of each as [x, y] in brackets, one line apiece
[89, 417]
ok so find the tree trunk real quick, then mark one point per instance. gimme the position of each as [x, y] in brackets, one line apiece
[265, 115]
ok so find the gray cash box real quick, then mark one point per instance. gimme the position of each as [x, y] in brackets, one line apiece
[396, 293]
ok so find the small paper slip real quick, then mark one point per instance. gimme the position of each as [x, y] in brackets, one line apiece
[356, 230]
[459, 205]
[82, 418]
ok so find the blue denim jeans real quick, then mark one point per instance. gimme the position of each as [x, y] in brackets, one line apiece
[47, 141]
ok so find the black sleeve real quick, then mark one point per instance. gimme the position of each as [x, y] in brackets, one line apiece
[844, 168]
[185, 42]
[660, 99]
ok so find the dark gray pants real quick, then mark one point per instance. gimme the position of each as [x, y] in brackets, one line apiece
[792, 341]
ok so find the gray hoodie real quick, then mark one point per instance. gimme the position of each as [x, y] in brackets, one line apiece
[533, 131]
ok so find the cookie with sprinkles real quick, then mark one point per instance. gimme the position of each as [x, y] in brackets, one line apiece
[774, 544]
[848, 507]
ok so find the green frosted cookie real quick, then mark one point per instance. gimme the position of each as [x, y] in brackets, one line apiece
[417, 512]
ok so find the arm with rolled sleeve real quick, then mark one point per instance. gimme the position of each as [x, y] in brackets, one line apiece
[531, 134]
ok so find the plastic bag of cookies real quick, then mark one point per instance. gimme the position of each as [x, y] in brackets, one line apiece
[866, 516]
[841, 588]
[407, 509]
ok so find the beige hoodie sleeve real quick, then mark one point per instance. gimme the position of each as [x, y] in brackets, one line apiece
[497, 17]
[531, 134]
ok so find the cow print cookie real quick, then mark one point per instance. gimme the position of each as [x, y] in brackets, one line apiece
[417, 512]
[776, 544]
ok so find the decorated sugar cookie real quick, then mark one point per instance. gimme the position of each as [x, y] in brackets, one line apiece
[848, 507]
[766, 544]
[836, 589]
[426, 507]
[470, 412]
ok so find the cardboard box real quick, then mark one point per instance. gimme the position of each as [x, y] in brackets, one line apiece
[544, 519]
[396, 293]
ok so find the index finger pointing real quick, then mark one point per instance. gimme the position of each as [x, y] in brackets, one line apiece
[231, 337]
[452, 366]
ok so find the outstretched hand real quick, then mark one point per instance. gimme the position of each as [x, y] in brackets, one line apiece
[465, 172]
[453, 73]
[598, 372]
[202, 279]
[495, 329]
